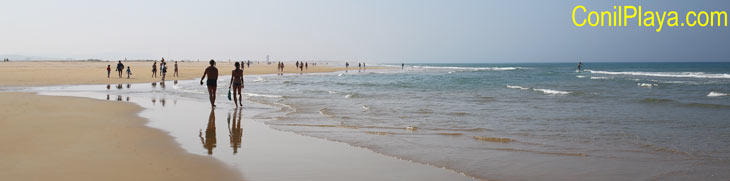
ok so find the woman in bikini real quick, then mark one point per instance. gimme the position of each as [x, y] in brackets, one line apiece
[237, 83]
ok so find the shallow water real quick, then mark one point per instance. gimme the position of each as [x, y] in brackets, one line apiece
[619, 121]
[522, 121]
[234, 137]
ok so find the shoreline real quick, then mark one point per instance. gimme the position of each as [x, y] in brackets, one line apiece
[28, 74]
[264, 149]
[403, 165]
[70, 143]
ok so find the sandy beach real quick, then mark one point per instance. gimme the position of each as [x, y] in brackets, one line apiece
[72, 138]
[64, 138]
[75, 72]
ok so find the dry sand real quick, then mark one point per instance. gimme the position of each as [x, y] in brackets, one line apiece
[76, 72]
[64, 138]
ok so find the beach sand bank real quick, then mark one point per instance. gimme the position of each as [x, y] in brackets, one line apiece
[78, 72]
[64, 138]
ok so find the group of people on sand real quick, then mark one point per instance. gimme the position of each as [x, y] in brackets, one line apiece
[163, 69]
[236, 83]
[119, 69]
[6, 60]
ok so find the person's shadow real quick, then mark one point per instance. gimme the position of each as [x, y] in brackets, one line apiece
[235, 131]
[209, 141]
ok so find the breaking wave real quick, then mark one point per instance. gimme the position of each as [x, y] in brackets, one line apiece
[667, 74]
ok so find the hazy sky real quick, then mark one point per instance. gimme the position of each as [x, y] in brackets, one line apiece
[356, 30]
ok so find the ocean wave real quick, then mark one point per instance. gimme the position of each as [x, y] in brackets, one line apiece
[545, 91]
[262, 95]
[647, 85]
[517, 87]
[550, 91]
[666, 74]
[473, 68]
[601, 78]
[258, 79]
[716, 94]
[580, 76]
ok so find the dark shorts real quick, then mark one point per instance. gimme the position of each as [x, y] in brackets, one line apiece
[212, 82]
[237, 84]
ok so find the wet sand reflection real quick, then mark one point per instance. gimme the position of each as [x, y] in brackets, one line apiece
[235, 131]
[209, 142]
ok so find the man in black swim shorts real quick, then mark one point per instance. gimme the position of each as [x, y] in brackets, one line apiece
[212, 81]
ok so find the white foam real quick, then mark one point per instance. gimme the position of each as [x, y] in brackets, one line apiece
[262, 95]
[332, 92]
[473, 68]
[348, 95]
[647, 85]
[716, 94]
[667, 74]
[517, 87]
[580, 76]
[601, 78]
[550, 91]
[258, 79]
[545, 91]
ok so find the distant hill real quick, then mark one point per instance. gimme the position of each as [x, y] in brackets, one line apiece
[29, 58]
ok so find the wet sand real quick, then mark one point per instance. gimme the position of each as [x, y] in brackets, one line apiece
[77, 72]
[64, 138]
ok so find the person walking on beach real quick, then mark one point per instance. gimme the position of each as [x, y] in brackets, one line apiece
[301, 68]
[212, 82]
[237, 84]
[154, 69]
[129, 72]
[176, 75]
[306, 65]
[108, 70]
[346, 65]
[120, 68]
[402, 65]
[163, 69]
[358, 67]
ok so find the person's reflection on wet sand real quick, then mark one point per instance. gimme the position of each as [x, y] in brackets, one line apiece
[175, 82]
[119, 98]
[107, 97]
[154, 101]
[129, 85]
[119, 86]
[235, 131]
[162, 84]
[162, 101]
[154, 84]
[209, 141]
[127, 98]
[108, 87]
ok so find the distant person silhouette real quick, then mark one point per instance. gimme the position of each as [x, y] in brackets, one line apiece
[402, 65]
[212, 82]
[209, 142]
[580, 64]
[346, 65]
[237, 84]
[154, 69]
[176, 75]
[129, 72]
[108, 70]
[120, 68]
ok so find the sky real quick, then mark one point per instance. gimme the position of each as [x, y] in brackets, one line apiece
[389, 31]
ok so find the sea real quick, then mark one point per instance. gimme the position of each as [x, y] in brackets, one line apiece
[512, 121]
